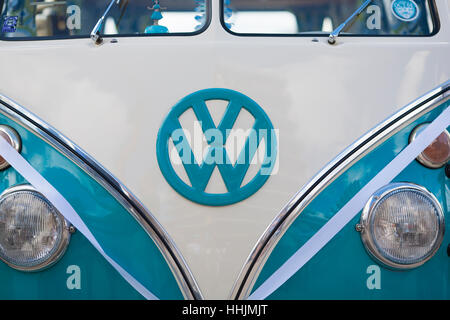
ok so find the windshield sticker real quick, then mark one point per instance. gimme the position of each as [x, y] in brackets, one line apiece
[405, 10]
[9, 24]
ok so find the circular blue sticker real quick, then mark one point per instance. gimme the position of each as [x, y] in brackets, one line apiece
[405, 10]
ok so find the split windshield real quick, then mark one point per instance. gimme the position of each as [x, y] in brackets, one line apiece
[53, 19]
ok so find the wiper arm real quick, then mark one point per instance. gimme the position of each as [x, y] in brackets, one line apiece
[95, 33]
[335, 34]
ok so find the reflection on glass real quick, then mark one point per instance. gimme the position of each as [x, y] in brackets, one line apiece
[61, 19]
[381, 17]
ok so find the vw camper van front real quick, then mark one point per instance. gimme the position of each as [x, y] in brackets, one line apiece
[224, 149]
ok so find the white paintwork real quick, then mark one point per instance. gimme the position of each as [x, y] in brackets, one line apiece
[112, 99]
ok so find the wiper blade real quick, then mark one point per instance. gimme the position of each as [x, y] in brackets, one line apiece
[123, 6]
[335, 34]
[95, 33]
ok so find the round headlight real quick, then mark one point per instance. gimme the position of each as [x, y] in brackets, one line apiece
[437, 154]
[402, 225]
[33, 234]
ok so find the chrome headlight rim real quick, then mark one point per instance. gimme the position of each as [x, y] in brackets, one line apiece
[366, 217]
[58, 253]
[15, 141]
[421, 158]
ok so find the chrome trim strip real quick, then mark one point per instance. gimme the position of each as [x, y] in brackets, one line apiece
[154, 229]
[380, 133]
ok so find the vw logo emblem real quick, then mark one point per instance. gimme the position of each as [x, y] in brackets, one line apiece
[215, 155]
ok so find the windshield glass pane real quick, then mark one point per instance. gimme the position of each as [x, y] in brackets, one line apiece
[75, 18]
[381, 17]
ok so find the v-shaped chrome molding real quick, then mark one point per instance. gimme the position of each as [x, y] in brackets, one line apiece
[43, 130]
[266, 243]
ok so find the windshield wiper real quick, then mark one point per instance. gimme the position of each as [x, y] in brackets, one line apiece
[95, 33]
[335, 34]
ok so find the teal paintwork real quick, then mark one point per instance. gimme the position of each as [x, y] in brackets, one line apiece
[339, 270]
[117, 231]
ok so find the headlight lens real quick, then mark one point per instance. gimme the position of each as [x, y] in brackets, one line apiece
[33, 234]
[403, 225]
[437, 154]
